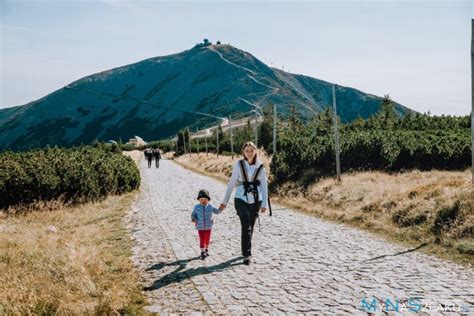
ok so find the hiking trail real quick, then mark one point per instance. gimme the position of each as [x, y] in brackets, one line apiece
[301, 264]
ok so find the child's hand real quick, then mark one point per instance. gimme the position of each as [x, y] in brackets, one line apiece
[222, 207]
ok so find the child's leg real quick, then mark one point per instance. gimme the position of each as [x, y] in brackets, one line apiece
[202, 239]
[208, 239]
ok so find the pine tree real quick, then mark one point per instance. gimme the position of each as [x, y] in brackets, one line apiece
[387, 114]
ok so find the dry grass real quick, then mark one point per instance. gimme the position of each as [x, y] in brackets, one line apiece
[136, 155]
[217, 167]
[69, 261]
[405, 207]
[434, 207]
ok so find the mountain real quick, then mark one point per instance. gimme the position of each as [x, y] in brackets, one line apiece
[156, 97]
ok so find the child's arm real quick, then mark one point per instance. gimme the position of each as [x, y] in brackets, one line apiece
[215, 210]
[194, 215]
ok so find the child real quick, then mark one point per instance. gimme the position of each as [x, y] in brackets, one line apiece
[202, 218]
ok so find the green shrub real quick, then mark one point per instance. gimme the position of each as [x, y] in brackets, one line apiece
[466, 247]
[405, 219]
[75, 175]
[446, 217]
[384, 150]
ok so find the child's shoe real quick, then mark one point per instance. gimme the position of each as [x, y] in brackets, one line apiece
[206, 252]
[203, 255]
[246, 261]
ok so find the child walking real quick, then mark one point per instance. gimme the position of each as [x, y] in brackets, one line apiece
[202, 218]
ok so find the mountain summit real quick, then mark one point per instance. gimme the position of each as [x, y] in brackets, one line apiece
[156, 97]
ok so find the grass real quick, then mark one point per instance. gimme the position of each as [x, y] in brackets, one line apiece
[69, 261]
[219, 168]
[433, 208]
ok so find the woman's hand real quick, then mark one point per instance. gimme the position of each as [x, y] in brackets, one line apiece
[222, 207]
[263, 210]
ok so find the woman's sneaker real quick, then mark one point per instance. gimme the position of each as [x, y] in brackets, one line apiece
[206, 253]
[247, 261]
[203, 255]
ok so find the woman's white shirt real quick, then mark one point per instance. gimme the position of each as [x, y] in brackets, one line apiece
[237, 177]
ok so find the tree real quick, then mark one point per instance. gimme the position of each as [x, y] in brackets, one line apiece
[294, 119]
[242, 136]
[183, 139]
[387, 114]
[322, 123]
[265, 130]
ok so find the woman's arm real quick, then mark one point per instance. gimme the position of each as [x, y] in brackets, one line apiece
[264, 187]
[231, 184]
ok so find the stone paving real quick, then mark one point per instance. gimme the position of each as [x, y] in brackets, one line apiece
[301, 264]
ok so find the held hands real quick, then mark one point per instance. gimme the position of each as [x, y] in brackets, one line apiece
[223, 206]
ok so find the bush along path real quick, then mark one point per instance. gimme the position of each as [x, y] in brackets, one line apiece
[301, 264]
[73, 176]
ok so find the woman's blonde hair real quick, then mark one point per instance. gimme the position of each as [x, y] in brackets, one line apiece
[251, 144]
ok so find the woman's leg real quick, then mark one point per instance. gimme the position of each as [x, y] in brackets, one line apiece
[254, 211]
[246, 226]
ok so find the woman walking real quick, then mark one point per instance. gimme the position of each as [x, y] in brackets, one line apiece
[251, 195]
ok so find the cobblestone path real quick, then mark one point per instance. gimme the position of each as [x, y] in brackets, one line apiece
[301, 264]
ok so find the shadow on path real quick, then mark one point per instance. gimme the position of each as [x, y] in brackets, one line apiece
[180, 263]
[398, 253]
[179, 275]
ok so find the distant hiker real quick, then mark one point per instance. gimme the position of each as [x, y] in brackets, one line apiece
[149, 156]
[251, 195]
[157, 156]
[202, 218]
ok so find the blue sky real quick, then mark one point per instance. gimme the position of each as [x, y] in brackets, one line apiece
[416, 51]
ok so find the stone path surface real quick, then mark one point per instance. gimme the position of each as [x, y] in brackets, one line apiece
[301, 264]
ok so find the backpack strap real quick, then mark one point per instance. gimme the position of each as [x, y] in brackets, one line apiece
[255, 182]
[255, 175]
[242, 169]
[245, 183]
[250, 186]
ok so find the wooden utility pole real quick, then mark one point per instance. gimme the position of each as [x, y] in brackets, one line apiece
[184, 143]
[274, 129]
[336, 134]
[197, 140]
[255, 128]
[231, 137]
[190, 145]
[472, 103]
[217, 137]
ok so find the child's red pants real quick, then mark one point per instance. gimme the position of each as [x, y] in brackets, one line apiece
[204, 238]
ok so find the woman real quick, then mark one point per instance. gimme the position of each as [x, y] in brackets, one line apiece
[251, 195]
